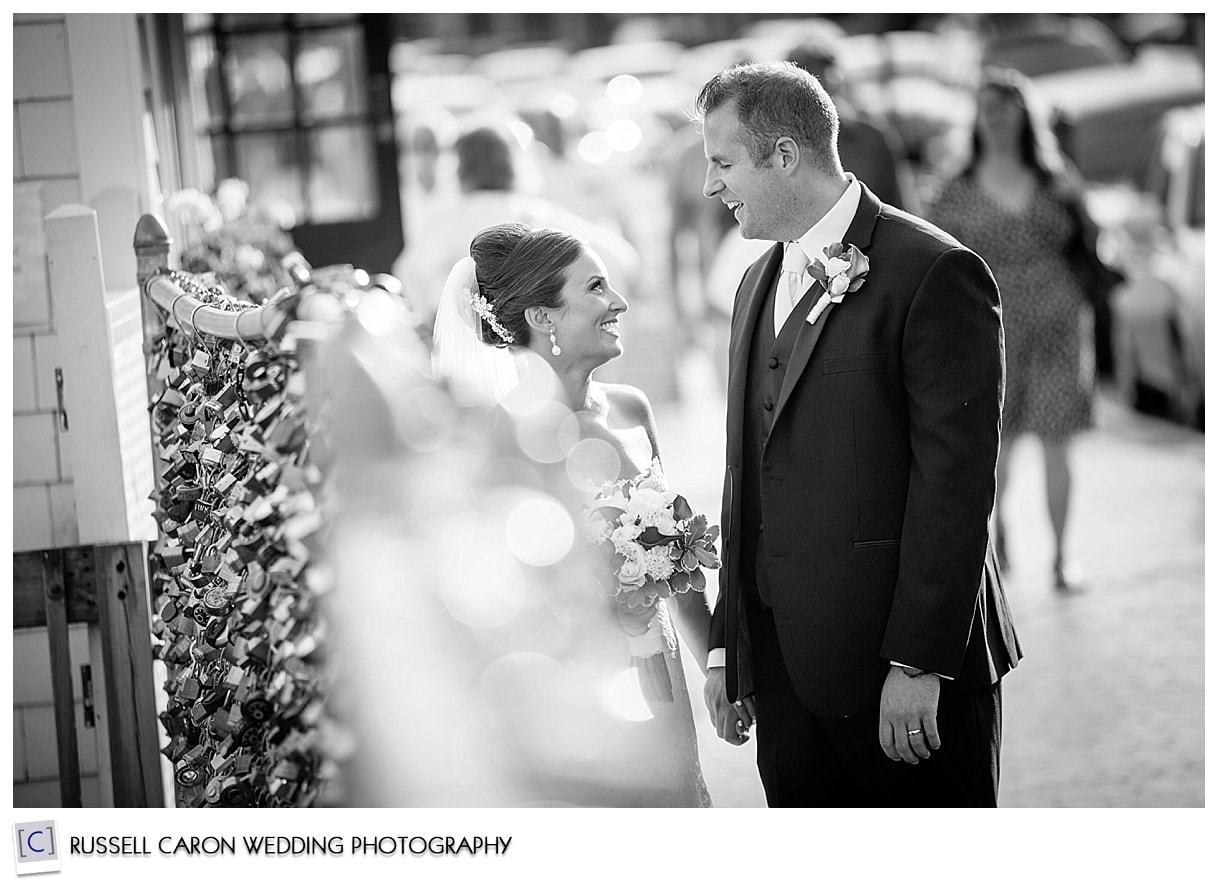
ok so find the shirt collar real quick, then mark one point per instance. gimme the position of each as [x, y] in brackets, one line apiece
[833, 226]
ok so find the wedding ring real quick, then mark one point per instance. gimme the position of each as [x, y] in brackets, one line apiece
[914, 732]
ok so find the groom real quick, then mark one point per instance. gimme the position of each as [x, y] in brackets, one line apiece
[861, 619]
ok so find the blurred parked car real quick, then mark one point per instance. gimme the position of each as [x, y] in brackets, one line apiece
[1102, 112]
[1158, 315]
[1043, 43]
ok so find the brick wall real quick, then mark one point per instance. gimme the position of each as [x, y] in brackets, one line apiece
[46, 174]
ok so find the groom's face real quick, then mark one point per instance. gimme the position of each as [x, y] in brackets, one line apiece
[754, 192]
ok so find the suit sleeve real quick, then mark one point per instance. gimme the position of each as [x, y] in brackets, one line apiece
[954, 369]
[727, 522]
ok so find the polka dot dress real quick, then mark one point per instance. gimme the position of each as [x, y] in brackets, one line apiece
[1050, 349]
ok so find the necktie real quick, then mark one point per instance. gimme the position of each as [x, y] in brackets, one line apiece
[792, 285]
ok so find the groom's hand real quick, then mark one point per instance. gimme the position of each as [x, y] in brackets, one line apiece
[909, 708]
[732, 721]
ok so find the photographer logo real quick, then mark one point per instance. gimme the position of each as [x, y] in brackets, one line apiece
[36, 847]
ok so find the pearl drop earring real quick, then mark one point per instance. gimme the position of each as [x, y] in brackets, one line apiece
[555, 349]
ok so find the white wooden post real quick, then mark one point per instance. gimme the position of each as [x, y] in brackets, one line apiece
[105, 396]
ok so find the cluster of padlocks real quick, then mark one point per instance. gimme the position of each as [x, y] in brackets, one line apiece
[234, 611]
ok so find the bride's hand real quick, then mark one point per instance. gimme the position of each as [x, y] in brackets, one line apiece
[635, 621]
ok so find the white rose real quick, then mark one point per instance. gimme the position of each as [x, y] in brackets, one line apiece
[665, 523]
[838, 285]
[633, 571]
[623, 539]
[836, 266]
[645, 502]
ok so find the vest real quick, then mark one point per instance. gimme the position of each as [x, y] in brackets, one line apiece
[767, 368]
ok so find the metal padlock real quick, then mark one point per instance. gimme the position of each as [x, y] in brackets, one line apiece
[213, 631]
[212, 792]
[188, 775]
[188, 533]
[257, 710]
[173, 724]
[175, 748]
[195, 756]
[217, 723]
[210, 560]
[189, 691]
[171, 398]
[227, 396]
[217, 602]
[235, 793]
[168, 610]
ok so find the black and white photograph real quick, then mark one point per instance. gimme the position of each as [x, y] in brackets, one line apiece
[605, 410]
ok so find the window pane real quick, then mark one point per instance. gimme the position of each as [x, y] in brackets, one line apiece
[196, 21]
[331, 74]
[221, 167]
[1196, 213]
[321, 18]
[205, 81]
[342, 174]
[240, 20]
[270, 164]
[259, 79]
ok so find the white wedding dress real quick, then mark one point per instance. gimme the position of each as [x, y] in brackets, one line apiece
[675, 771]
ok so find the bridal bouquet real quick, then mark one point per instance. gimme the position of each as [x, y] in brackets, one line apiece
[652, 546]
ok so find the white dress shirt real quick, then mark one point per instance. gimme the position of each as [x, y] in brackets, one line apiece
[829, 229]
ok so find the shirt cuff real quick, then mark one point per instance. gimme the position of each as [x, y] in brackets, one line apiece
[716, 658]
[897, 664]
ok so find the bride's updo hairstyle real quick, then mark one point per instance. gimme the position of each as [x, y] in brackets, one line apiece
[518, 267]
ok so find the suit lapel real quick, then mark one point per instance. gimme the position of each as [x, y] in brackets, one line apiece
[859, 234]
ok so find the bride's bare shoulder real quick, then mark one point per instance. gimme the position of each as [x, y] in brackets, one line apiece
[628, 405]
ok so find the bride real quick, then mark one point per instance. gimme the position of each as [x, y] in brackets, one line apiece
[542, 296]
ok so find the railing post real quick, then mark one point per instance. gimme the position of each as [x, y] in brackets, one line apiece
[151, 244]
[152, 241]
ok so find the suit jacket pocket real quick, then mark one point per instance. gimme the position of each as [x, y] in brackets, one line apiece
[854, 363]
[877, 543]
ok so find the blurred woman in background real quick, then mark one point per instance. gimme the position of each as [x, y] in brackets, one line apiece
[1018, 205]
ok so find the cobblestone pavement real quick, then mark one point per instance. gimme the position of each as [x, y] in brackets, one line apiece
[1107, 708]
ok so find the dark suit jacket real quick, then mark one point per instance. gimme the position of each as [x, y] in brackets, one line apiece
[878, 475]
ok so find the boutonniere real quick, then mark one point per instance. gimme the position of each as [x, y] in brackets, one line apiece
[843, 270]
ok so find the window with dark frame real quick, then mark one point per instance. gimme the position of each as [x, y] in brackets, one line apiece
[282, 101]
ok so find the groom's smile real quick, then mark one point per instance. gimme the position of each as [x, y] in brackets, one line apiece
[749, 189]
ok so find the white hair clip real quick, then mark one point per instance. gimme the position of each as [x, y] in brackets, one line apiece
[482, 306]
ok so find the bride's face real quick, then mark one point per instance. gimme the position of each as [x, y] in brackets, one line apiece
[586, 328]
